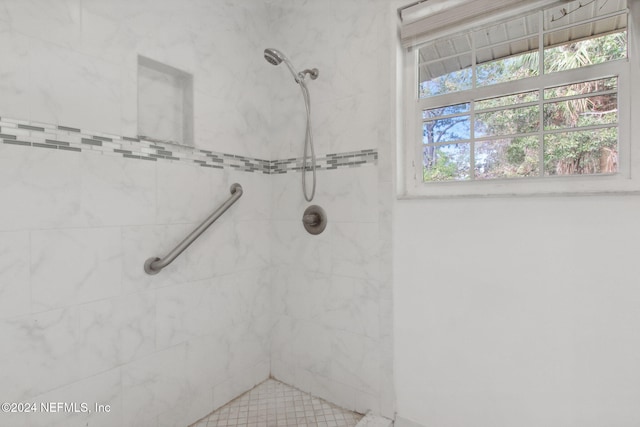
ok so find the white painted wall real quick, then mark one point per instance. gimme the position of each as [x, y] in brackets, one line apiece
[519, 311]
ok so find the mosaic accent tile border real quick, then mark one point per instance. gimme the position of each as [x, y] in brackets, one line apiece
[327, 162]
[65, 138]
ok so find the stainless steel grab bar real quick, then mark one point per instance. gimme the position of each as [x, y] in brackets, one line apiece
[154, 264]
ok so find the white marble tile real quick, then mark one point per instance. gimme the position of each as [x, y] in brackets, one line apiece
[102, 389]
[282, 357]
[261, 371]
[198, 261]
[253, 135]
[140, 243]
[202, 374]
[246, 351]
[385, 228]
[219, 126]
[253, 244]
[362, 52]
[152, 384]
[239, 343]
[347, 124]
[220, 246]
[182, 312]
[119, 10]
[304, 21]
[74, 266]
[15, 83]
[55, 21]
[40, 188]
[239, 301]
[355, 250]
[387, 394]
[352, 305]
[98, 337]
[288, 117]
[255, 203]
[204, 367]
[105, 37]
[311, 344]
[299, 293]
[355, 361]
[230, 246]
[349, 194]
[226, 306]
[15, 289]
[220, 326]
[287, 201]
[115, 331]
[292, 245]
[159, 37]
[42, 354]
[74, 89]
[184, 194]
[118, 191]
[136, 320]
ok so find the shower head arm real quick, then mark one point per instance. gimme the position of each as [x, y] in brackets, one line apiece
[299, 76]
[313, 73]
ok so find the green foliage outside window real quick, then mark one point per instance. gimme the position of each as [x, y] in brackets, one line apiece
[566, 149]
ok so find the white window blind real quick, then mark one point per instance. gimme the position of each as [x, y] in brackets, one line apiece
[424, 19]
[519, 35]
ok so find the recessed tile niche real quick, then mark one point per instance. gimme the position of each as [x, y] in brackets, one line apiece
[165, 103]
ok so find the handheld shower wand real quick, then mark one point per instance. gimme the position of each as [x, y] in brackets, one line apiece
[275, 57]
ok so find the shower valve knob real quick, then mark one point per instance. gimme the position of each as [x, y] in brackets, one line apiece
[314, 219]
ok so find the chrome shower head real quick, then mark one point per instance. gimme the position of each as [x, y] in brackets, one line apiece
[273, 56]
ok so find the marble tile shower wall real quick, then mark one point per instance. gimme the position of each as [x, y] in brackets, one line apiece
[256, 294]
[79, 319]
[75, 62]
[331, 295]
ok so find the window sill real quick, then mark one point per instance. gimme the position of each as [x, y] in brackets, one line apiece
[570, 186]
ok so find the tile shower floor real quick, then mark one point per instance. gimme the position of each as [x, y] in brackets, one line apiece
[274, 404]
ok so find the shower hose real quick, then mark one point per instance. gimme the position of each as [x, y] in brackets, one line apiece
[308, 144]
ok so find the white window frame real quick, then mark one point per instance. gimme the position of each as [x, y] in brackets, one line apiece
[627, 180]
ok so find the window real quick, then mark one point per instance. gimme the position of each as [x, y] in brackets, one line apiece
[535, 103]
